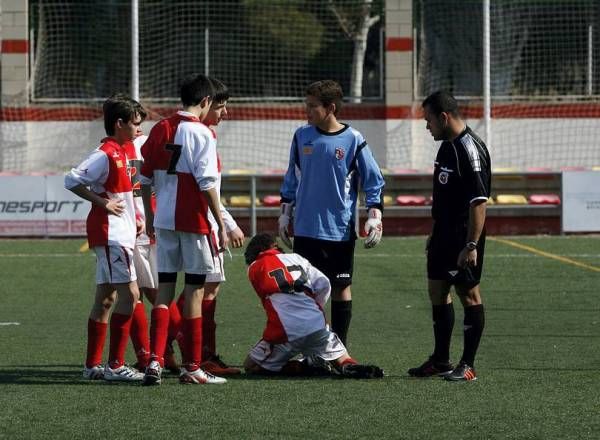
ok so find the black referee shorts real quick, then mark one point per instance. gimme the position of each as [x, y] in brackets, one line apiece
[447, 241]
[334, 258]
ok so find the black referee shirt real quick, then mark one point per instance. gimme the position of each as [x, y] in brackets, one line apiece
[462, 174]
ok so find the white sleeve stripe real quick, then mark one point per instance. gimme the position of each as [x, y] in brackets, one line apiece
[478, 198]
[472, 151]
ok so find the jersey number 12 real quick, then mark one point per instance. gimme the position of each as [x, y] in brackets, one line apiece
[284, 285]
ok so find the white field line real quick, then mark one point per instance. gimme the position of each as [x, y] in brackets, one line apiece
[9, 323]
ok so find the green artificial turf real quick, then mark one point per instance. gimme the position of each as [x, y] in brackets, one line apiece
[538, 365]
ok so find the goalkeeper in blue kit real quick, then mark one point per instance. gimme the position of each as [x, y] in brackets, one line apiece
[328, 161]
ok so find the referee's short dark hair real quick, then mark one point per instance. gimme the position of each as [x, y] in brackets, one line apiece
[194, 88]
[441, 102]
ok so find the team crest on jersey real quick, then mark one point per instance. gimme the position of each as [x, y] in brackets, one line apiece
[339, 153]
[307, 149]
[119, 163]
[443, 177]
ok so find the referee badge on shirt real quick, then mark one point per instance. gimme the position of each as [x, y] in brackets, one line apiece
[443, 177]
[339, 153]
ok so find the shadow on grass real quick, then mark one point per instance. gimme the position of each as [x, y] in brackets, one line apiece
[44, 375]
[267, 377]
[71, 375]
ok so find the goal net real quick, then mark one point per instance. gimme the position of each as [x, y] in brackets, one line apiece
[544, 75]
[545, 81]
[266, 51]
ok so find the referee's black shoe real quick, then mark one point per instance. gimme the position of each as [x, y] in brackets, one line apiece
[462, 372]
[430, 368]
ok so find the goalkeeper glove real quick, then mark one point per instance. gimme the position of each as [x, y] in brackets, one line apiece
[373, 228]
[285, 216]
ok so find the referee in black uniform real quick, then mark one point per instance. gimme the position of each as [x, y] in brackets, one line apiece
[461, 187]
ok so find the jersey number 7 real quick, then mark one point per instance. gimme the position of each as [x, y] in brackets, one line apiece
[175, 154]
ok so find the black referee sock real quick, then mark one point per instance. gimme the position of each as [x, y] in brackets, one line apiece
[443, 323]
[474, 324]
[341, 314]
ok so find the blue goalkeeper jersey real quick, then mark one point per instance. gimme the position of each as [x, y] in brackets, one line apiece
[322, 180]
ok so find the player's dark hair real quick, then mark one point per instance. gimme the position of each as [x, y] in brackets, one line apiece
[120, 106]
[259, 243]
[221, 91]
[441, 102]
[328, 92]
[194, 88]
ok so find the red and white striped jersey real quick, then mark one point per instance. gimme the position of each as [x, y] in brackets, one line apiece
[105, 172]
[135, 161]
[293, 293]
[180, 160]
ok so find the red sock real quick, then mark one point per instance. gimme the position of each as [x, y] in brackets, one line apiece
[192, 340]
[181, 303]
[119, 335]
[209, 328]
[174, 321]
[95, 342]
[159, 332]
[175, 324]
[139, 334]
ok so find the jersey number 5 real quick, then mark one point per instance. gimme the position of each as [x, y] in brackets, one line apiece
[284, 285]
[175, 154]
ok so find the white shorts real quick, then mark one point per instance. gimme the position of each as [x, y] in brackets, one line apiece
[114, 265]
[218, 276]
[184, 251]
[144, 260]
[323, 343]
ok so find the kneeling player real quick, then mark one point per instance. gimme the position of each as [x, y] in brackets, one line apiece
[293, 294]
